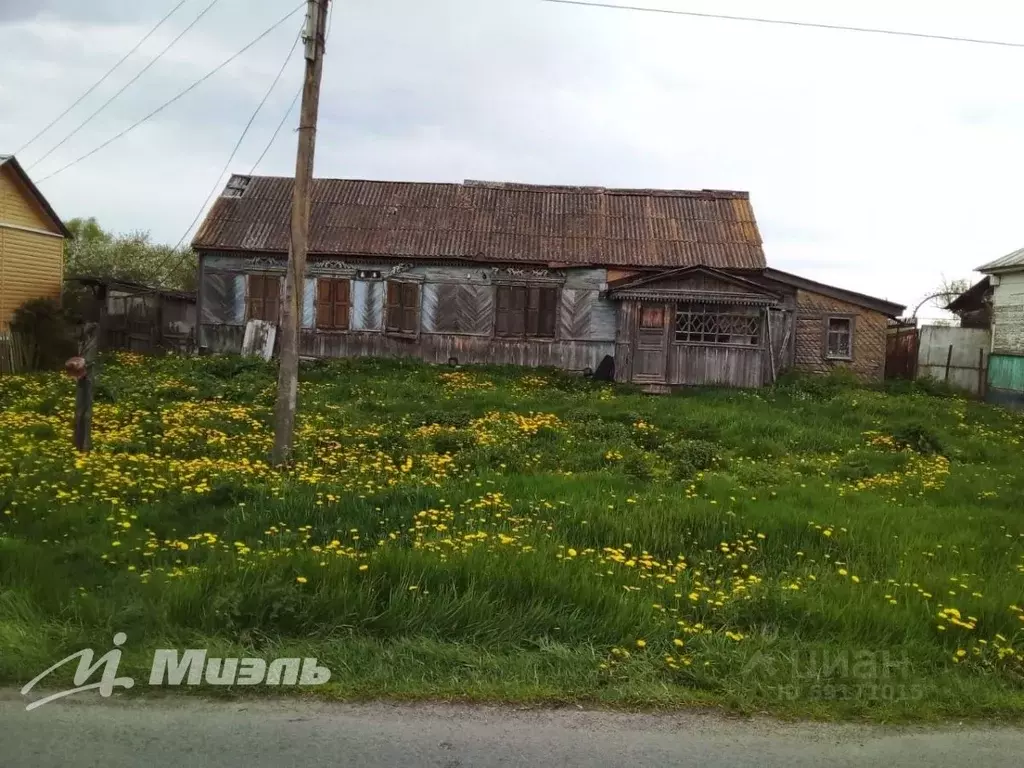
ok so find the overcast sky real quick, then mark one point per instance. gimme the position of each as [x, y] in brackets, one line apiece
[875, 163]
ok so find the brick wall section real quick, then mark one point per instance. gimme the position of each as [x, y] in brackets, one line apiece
[868, 337]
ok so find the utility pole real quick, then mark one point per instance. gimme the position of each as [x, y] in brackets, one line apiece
[294, 281]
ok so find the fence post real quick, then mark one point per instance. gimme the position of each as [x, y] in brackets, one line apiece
[982, 378]
[949, 359]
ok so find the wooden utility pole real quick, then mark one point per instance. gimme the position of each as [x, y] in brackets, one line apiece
[291, 314]
[83, 370]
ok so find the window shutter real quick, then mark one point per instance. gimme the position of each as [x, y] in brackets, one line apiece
[410, 307]
[393, 316]
[532, 311]
[323, 303]
[254, 298]
[272, 299]
[517, 312]
[548, 312]
[341, 302]
[502, 301]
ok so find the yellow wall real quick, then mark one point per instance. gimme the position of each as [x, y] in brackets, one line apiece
[31, 263]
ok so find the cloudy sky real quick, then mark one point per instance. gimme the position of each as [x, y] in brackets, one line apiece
[877, 163]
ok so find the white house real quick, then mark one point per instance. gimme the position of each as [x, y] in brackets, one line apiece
[1006, 293]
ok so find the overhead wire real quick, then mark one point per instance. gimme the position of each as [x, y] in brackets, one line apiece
[127, 85]
[791, 23]
[238, 144]
[174, 99]
[102, 80]
[284, 119]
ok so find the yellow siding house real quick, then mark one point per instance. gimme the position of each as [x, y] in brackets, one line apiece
[31, 242]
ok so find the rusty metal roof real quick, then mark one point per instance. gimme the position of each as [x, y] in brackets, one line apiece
[486, 221]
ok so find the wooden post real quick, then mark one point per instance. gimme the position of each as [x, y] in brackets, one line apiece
[291, 316]
[981, 373]
[83, 370]
[949, 359]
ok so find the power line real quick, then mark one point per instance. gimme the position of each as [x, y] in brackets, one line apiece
[280, 125]
[252, 171]
[168, 103]
[792, 23]
[127, 85]
[238, 144]
[103, 79]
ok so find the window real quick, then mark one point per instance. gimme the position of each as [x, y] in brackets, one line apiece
[839, 338]
[403, 314]
[652, 316]
[526, 312]
[332, 304]
[263, 298]
[707, 324]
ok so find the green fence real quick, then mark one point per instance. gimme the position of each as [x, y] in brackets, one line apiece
[1006, 380]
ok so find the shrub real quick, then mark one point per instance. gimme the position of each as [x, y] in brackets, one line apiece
[918, 437]
[47, 336]
[688, 457]
[230, 366]
[822, 387]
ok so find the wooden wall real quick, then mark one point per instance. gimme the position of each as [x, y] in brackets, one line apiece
[1008, 315]
[706, 365]
[31, 248]
[869, 336]
[457, 312]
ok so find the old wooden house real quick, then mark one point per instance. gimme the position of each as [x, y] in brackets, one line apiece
[671, 285]
[31, 242]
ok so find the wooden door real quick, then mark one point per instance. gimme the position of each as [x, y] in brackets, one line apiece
[650, 359]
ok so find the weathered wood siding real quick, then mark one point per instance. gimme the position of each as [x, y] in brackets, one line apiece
[31, 249]
[1008, 315]
[457, 312]
[629, 312]
[869, 330]
[707, 365]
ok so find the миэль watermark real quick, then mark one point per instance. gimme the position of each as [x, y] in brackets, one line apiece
[192, 668]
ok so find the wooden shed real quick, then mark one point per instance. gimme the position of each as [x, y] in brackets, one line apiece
[138, 318]
[31, 242]
[672, 285]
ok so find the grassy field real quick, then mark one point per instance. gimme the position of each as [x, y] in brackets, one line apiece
[817, 549]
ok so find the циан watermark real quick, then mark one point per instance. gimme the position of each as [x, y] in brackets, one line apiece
[839, 675]
[192, 668]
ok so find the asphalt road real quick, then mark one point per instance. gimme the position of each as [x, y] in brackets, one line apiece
[159, 733]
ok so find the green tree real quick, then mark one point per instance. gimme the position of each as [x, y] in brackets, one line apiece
[95, 252]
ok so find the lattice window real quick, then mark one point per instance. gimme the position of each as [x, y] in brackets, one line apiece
[710, 324]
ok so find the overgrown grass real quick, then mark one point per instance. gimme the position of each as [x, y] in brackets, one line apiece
[816, 549]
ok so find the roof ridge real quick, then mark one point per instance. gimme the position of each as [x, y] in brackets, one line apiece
[727, 194]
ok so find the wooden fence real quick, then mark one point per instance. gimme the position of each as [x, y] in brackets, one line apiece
[901, 344]
[16, 353]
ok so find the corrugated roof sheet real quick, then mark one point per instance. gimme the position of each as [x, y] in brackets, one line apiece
[1009, 261]
[488, 221]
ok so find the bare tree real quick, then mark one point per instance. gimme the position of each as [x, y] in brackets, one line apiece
[949, 290]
